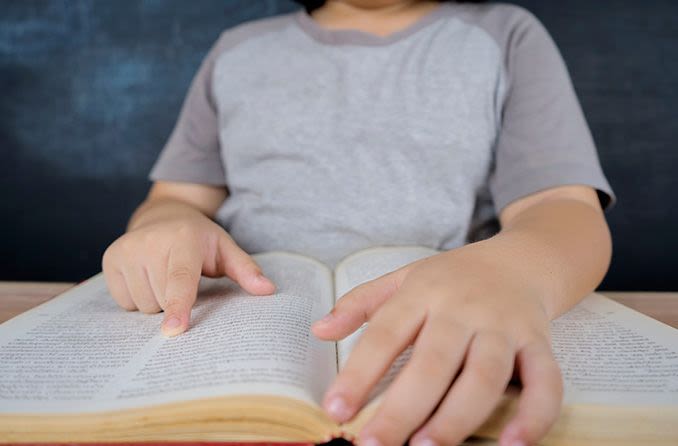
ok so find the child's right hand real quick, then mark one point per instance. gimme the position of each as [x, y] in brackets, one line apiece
[158, 266]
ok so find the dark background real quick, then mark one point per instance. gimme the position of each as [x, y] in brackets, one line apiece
[90, 90]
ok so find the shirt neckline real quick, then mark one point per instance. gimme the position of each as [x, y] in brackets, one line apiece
[363, 38]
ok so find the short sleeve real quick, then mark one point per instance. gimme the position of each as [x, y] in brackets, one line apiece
[192, 152]
[543, 140]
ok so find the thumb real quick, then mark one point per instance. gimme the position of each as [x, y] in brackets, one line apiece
[357, 306]
[241, 268]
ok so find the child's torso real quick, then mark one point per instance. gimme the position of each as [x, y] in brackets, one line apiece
[334, 141]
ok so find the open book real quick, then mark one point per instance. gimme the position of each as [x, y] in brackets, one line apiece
[80, 369]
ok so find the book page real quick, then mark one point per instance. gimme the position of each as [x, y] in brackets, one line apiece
[81, 352]
[610, 354]
[362, 267]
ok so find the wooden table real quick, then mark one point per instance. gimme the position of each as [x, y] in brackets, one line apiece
[17, 297]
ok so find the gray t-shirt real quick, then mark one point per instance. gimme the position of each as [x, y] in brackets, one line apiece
[330, 141]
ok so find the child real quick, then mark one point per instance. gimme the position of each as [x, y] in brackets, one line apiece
[389, 122]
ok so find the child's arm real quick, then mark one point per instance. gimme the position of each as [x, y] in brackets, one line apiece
[170, 241]
[483, 308]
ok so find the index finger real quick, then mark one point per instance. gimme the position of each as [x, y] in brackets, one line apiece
[392, 329]
[184, 266]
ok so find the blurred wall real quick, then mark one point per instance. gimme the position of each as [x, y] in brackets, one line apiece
[90, 89]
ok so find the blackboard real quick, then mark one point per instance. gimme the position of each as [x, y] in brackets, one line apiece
[90, 90]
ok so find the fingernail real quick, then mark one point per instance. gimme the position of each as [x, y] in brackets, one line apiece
[172, 322]
[423, 442]
[517, 443]
[171, 327]
[338, 409]
[370, 441]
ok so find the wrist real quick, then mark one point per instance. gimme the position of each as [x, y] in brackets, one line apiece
[516, 261]
[164, 209]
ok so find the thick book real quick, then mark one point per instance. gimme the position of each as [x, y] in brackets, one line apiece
[80, 369]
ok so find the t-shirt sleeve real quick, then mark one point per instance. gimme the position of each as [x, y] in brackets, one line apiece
[192, 152]
[544, 140]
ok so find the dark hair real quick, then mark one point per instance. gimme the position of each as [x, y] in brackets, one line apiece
[310, 5]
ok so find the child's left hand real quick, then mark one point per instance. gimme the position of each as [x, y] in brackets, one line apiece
[464, 310]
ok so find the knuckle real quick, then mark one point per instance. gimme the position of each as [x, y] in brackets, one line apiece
[152, 239]
[120, 247]
[250, 267]
[126, 304]
[116, 288]
[121, 299]
[350, 303]
[501, 342]
[224, 242]
[490, 317]
[180, 273]
[358, 295]
[184, 230]
[126, 244]
[538, 336]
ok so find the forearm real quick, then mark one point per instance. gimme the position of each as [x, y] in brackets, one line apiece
[560, 247]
